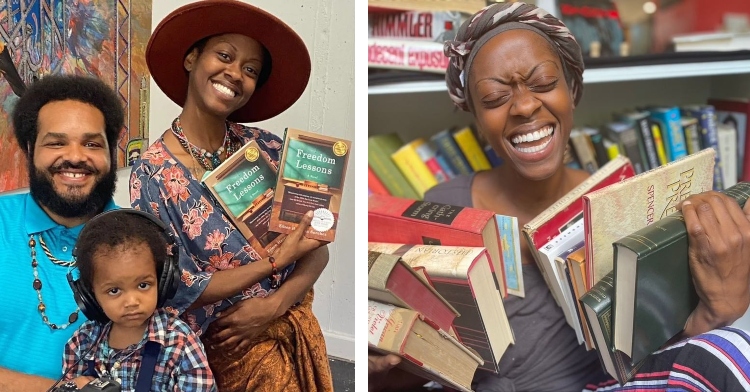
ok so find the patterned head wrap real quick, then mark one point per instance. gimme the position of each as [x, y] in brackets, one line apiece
[500, 17]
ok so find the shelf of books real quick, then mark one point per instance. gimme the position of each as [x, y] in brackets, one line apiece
[598, 75]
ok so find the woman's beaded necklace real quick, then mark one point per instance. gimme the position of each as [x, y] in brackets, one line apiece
[208, 160]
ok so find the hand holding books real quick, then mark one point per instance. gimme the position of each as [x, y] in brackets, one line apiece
[296, 244]
[719, 252]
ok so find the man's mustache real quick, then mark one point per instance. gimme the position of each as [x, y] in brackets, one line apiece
[68, 165]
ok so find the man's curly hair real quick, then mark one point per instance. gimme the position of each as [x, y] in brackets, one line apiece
[54, 88]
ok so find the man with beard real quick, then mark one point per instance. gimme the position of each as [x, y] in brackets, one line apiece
[68, 127]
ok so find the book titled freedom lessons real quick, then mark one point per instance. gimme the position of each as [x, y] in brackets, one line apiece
[311, 177]
[244, 186]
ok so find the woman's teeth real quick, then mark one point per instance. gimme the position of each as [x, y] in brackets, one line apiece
[224, 89]
[534, 148]
[532, 136]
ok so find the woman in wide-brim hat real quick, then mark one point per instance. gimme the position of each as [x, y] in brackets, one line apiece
[225, 61]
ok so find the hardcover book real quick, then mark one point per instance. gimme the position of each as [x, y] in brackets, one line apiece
[243, 185]
[597, 305]
[735, 111]
[391, 280]
[447, 146]
[510, 238]
[311, 177]
[391, 219]
[706, 116]
[463, 276]
[576, 263]
[568, 239]
[374, 184]
[569, 209]
[627, 206]
[426, 351]
[654, 294]
[414, 169]
[379, 150]
[674, 138]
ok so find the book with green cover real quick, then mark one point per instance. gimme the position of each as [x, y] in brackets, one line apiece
[379, 150]
[597, 305]
[311, 178]
[654, 293]
[243, 185]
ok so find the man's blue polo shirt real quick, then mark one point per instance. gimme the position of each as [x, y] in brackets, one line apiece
[27, 344]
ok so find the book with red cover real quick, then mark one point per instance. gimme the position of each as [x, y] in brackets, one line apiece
[374, 184]
[463, 276]
[391, 280]
[568, 210]
[405, 221]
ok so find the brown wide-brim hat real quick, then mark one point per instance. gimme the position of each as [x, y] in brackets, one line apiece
[290, 60]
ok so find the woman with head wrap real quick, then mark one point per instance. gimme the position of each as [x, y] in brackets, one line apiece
[519, 71]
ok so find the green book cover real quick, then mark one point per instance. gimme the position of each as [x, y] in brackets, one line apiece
[379, 150]
[311, 178]
[243, 186]
[654, 292]
[597, 305]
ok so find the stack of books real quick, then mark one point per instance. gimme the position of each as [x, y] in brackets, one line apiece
[407, 317]
[613, 252]
[471, 257]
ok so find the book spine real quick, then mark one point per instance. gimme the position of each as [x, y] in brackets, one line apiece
[627, 139]
[676, 137]
[727, 137]
[660, 118]
[374, 184]
[510, 239]
[379, 150]
[710, 138]
[597, 140]
[644, 126]
[584, 151]
[415, 171]
[445, 143]
[470, 147]
[430, 160]
[613, 150]
[442, 161]
[492, 156]
[661, 151]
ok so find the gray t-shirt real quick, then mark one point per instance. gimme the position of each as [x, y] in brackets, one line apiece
[546, 355]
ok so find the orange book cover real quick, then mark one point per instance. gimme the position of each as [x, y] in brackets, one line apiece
[311, 177]
[617, 210]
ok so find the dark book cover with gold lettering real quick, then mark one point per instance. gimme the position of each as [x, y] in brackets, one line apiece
[654, 291]
[597, 308]
[311, 177]
[244, 186]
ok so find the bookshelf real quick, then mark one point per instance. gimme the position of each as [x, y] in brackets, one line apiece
[422, 108]
[599, 75]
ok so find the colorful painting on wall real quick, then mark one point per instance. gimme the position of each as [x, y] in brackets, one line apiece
[102, 38]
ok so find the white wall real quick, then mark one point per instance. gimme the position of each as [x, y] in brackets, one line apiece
[327, 106]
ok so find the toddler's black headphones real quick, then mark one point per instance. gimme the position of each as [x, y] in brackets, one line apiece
[168, 281]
